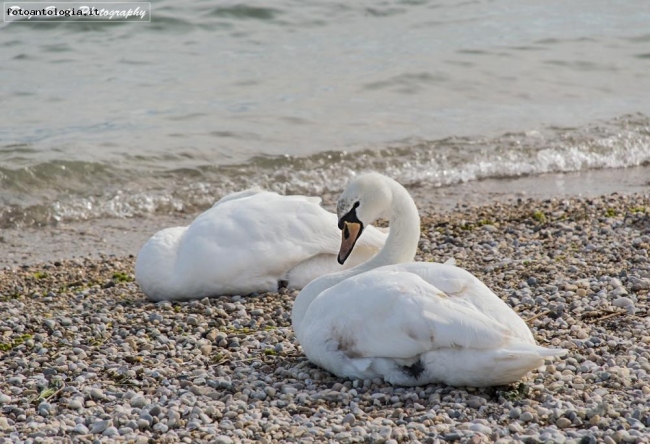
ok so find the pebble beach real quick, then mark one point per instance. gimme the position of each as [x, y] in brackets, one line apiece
[84, 357]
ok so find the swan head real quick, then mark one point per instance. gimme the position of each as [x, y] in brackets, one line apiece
[366, 199]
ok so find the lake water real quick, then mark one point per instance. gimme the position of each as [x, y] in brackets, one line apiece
[121, 119]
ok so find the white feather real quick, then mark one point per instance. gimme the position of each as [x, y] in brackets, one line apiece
[410, 323]
[247, 242]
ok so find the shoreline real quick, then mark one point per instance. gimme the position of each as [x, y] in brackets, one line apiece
[84, 356]
[123, 237]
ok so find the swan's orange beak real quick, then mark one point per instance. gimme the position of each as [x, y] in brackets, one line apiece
[350, 233]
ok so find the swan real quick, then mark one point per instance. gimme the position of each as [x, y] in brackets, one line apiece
[249, 241]
[410, 323]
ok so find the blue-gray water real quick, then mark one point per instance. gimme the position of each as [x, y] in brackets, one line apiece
[120, 119]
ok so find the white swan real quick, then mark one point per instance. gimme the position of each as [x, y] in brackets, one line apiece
[247, 242]
[411, 323]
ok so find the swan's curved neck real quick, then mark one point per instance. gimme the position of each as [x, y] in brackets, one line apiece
[400, 247]
[404, 222]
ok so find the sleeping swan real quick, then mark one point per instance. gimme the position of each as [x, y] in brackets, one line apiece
[250, 241]
[410, 323]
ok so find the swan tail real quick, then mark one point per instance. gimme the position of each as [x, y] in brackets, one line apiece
[467, 367]
[551, 352]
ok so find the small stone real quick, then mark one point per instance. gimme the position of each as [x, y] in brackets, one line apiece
[16, 380]
[623, 302]
[79, 352]
[481, 428]
[125, 430]
[75, 403]
[97, 393]
[4, 399]
[476, 402]
[172, 418]
[111, 431]
[138, 401]
[5, 426]
[44, 408]
[563, 423]
[223, 439]
[100, 426]
[80, 429]
[206, 349]
[349, 419]
[212, 335]
[160, 427]
[527, 417]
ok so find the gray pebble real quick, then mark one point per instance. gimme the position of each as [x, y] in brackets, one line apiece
[223, 439]
[527, 417]
[100, 426]
[481, 428]
[111, 431]
[81, 429]
[44, 408]
[476, 402]
[138, 401]
[623, 302]
[97, 393]
[349, 419]
[160, 427]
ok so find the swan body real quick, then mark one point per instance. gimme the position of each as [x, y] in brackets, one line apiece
[410, 323]
[247, 242]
